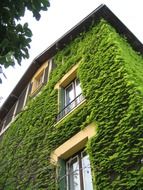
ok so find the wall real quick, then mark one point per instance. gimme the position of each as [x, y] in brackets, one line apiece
[23, 98]
[111, 77]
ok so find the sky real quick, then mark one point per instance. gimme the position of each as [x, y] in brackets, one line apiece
[62, 16]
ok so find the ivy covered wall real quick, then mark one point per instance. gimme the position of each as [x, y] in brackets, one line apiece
[111, 76]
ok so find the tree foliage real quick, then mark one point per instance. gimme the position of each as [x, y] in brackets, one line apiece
[15, 38]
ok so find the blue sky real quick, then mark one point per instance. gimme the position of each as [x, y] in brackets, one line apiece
[63, 15]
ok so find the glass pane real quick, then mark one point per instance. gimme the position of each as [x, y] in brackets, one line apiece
[78, 92]
[69, 96]
[77, 87]
[39, 80]
[87, 178]
[73, 175]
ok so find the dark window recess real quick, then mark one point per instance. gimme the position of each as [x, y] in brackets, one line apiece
[21, 101]
[29, 91]
[9, 116]
[29, 86]
[46, 74]
[53, 65]
[1, 125]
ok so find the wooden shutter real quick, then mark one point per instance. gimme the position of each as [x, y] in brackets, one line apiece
[62, 174]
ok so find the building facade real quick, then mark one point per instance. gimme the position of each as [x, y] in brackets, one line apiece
[74, 121]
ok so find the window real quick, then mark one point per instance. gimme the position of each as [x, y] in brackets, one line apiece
[69, 92]
[71, 97]
[37, 82]
[78, 172]
[74, 171]
[40, 78]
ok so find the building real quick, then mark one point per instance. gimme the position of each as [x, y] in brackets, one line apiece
[75, 119]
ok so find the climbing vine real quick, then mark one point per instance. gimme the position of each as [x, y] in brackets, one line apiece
[111, 76]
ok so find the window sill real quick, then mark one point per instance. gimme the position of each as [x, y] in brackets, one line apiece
[59, 121]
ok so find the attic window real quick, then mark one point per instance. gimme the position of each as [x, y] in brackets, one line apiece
[37, 82]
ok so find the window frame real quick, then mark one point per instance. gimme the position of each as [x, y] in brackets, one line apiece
[43, 73]
[35, 86]
[74, 88]
[74, 101]
[79, 155]
[66, 107]
[70, 148]
[65, 93]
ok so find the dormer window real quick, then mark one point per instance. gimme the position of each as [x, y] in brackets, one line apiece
[37, 82]
[40, 78]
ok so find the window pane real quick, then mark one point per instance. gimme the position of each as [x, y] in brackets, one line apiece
[77, 87]
[69, 96]
[78, 92]
[79, 172]
[87, 178]
[38, 80]
[73, 174]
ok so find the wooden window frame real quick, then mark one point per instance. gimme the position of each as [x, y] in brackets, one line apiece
[36, 87]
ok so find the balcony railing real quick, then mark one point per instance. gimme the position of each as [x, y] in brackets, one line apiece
[68, 108]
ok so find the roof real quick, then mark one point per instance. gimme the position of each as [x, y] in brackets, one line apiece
[101, 12]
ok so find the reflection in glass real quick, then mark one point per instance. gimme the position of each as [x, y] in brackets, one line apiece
[69, 97]
[79, 172]
[74, 175]
[87, 179]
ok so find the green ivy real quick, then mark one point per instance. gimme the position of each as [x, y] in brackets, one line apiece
[111, 75]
